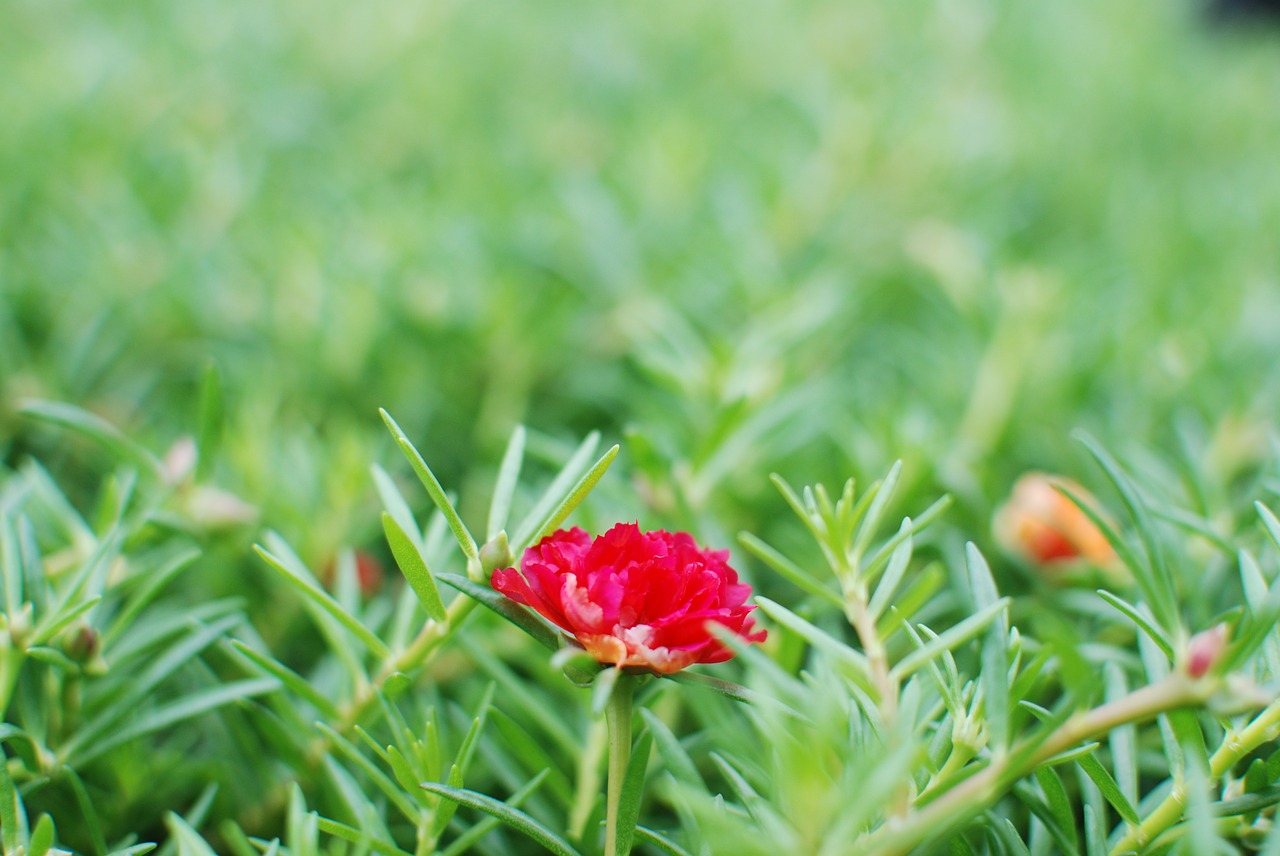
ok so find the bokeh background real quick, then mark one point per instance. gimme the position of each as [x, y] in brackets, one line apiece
[739, 237]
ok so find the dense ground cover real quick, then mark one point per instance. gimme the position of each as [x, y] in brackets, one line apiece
[736, 239]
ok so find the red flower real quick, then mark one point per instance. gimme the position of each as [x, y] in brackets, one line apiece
[634, 598]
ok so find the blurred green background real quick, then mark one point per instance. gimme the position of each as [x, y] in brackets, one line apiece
[808, 237]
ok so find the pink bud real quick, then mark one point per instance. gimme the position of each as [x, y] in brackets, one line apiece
[1204, 649]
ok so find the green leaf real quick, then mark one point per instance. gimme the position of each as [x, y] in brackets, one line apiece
[994, 675]
[212, 420]
[190, 843]
[11, 567]
[358, 836]
[1145, 623]
[859, 669]
[666, 845]
[602, 689]
[464, 842]
[632, 792]
[788, 569]
[185, 708]
[395, 504]
[554, 494]
[384, 783]
[506, 607]
[678, 762]
[295, 683]
[898, 562]
[95, 428]
[575, 496]
[883, 494]
[156, 580]
[512, 817]
[1156, 580]
[92, 824]
[949, 639]
[504, 486]
[1109, 787]
[414, 567]
[42, 837]
[325, 601]
[434, 490]
[737, 692]
[13, 817]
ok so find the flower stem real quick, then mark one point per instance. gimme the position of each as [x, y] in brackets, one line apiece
[618, 716]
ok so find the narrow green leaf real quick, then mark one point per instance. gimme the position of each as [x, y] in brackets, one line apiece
[1156, 581]
[788, 569]
[212, 420]
[325, 601]
[1270, 522]
[190, 842]
[555, 492]
[156, 580]
[1110, 789]
[632, 792]
[96, 429]
[737, 692]
[1144, 622]
[42, 836]
[663, 843]
[11, 566]
[949, 639]
[358, 836]
[575, 496]
[897, 567]
[512, 817]
[414, 567]
[994, 674]
[1040, 807]
[92, 824]
[505, 607]
[380, 779]
[395, 504]
[62, 619]
[504, 487]
[185, 708]
[295, 683]
[884, 493]
[13, 817]
[602, 689]
[464, 842]
[859, 668]
[434, 490]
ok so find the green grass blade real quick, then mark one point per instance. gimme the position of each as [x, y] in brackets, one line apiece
[1134, 614]
[434, 490]
[464, 842]
[661, 842]
[1109, 787]
[359, 837]
[325, 601]
[395, 504]
[190, 842]
[512, 817]
[553, 495]
[414, 567]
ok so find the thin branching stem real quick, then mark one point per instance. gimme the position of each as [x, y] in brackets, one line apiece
[900, 835]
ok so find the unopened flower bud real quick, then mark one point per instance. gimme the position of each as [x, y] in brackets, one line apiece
[1205, 649]
[81, 643]
[1046, 528]
[180, 461]
[496, 554]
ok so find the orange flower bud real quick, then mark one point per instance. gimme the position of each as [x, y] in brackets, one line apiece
[1046, 528]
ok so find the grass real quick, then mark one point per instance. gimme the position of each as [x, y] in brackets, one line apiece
[736, 238]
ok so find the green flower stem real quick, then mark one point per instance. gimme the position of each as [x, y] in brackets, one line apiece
[900, 834]
[618, 716]
[431, 635]
[1262, 729]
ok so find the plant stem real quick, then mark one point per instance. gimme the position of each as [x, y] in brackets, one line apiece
[1262, 729]
[618, 717]
[971, 796]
